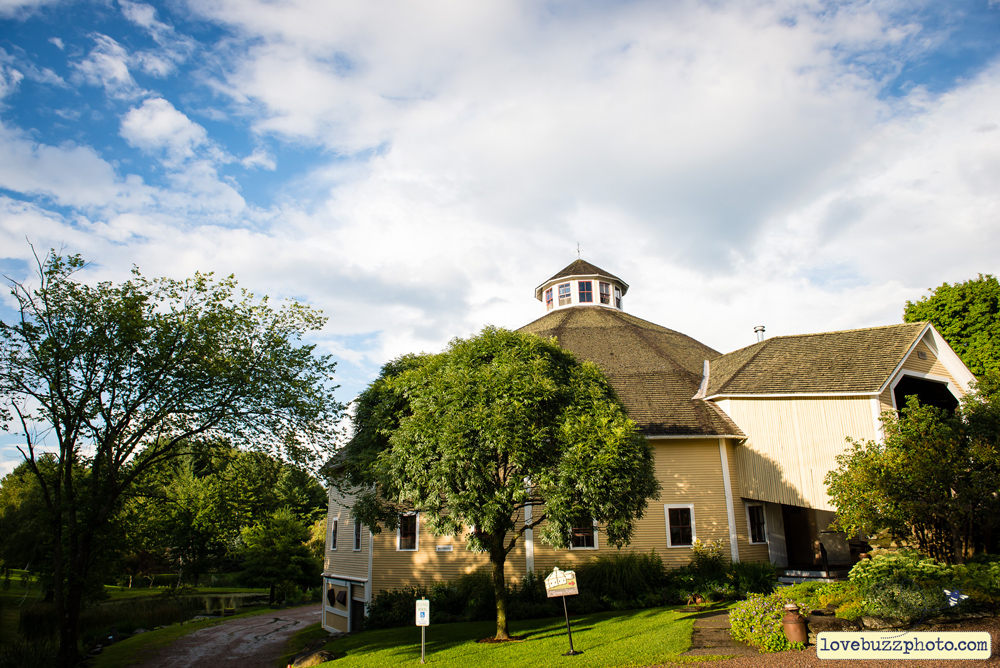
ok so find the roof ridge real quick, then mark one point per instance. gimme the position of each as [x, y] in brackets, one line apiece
[843, 331]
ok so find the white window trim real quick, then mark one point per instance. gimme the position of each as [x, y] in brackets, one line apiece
[596, 543]
[666, 521]
[416, 534]
[357, 535]
[333, 533]
[750, 539]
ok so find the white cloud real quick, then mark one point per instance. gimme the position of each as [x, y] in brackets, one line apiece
[107, 65]
[22, 8]
[259, 158]
[9, 80]
[157, 125]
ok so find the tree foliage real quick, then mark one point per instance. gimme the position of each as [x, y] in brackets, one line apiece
[932, 482]
[498, 423]
[276, 554]
[968, 316]
[97, 373]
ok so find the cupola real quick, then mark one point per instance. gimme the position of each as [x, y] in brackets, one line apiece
[582, 284]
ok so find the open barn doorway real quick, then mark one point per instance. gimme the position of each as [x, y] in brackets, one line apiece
[929, 392]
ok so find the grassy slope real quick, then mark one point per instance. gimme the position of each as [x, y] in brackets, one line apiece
[634, 638]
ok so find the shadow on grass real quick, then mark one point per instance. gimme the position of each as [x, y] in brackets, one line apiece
[598, 631]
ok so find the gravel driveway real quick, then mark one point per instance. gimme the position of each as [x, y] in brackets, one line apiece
[251, 642]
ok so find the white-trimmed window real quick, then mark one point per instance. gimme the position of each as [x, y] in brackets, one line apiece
[583, 537]
[548, 299]
[618, 297]
[333, 533]
[605, 292]
[586, 291]
[406, 532]
[565, 294]
[357, 535]
[756, 523]
[680, 524]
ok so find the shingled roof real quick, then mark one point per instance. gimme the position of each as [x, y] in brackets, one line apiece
[655, 371]
[856, 360]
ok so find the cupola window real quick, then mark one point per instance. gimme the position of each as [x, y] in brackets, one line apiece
[605, 292]
[548, 299]
[618, 297]
[565, 294]
[586, 291]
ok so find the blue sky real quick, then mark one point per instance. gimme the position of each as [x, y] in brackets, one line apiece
[415, 169]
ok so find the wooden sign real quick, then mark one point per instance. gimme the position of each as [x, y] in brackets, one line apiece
[561, 583]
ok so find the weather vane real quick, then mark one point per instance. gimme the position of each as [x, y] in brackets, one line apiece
[577, 250]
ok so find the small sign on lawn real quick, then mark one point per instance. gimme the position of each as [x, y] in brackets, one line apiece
[423, 612]
[563, 583]
[560, 583]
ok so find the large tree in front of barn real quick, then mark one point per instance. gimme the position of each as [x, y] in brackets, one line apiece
[499, 422]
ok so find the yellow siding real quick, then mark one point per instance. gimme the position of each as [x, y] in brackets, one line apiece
[885, 400]
[345, 561]
[791, 445]
[690, 472]
[931, 366]
[404, 568]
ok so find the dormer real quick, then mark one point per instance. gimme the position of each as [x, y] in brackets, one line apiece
[582, 284]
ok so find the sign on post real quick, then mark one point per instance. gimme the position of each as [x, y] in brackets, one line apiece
[560, 583]
[423, 621]
[423, 612]
[563, 584]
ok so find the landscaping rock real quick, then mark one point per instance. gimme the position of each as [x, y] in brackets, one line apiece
[882, 623]
[138, 631]
[312, 659]
[825, 624]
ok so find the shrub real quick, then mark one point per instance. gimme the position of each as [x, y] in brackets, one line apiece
[753, 577]
[892, 581]
[902, 598]
[622, 576]
[394, 607]
[757, 621]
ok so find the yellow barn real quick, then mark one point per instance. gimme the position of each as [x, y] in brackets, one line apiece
[741, 442]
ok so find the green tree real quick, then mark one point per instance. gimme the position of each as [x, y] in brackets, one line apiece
[933, 481]
[968, 316]
[96, 373]
[475, 435]
[276, 554]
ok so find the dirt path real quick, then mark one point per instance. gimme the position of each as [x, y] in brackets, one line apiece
[253, 642]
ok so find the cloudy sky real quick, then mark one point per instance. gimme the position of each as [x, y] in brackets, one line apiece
[415, 169]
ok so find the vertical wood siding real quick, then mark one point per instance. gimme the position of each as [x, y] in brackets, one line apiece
[791, 445]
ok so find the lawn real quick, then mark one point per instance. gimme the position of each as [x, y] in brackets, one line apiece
[633, 638]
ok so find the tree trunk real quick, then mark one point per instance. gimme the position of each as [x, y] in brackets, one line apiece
[498, 557]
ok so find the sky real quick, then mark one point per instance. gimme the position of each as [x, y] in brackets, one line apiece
[415, 169]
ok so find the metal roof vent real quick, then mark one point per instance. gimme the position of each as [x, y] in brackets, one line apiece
[759, 331]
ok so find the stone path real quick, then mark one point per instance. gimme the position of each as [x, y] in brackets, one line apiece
[249, 642]
[711, 637]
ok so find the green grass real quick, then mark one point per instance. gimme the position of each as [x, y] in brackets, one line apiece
[634, 638]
